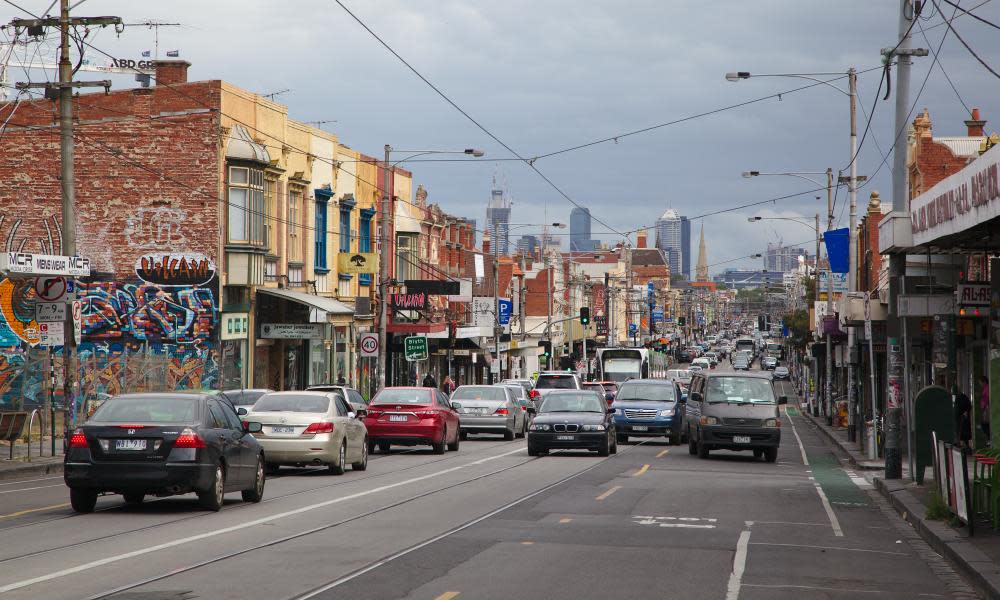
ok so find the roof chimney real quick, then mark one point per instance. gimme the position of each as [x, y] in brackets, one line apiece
[975, 124]
[171, 72]
[640, 239]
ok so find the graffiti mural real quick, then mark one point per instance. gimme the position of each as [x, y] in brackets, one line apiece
[148, 312]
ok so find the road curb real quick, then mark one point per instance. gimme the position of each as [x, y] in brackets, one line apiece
[974, 565]
[10, 471]
[857, 460]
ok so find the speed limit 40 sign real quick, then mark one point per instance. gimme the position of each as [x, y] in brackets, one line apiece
[369, 344]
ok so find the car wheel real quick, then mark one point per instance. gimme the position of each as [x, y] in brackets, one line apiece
[758, 452]
[363, 463]
[83, 501]
[272, 468]
[338, 467]
[702, 450]
[532, 451]
[605, 448]
[771, 454]
[692, 448]
[614, 446]
[212, 498]
[383, 447]
[521, 431]
[439, 447]
[256, 493]
[133, 498]
[464, 435]
[508, 434]
[454, 446]
[621, 438]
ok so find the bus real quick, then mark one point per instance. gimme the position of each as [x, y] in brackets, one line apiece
[776, 350]
[622, 364]
[746, 343]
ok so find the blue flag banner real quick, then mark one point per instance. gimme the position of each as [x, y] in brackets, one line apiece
[838, 249]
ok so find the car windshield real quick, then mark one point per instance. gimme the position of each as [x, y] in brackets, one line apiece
[573, 403]
[402, 396]
[304, 403]
[646, 391]
[243, 397]
[517, 391]
[479, 393]
[146, 409]
[740, 390]
[556, 382]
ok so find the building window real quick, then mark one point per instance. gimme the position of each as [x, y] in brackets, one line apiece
[271, 208]
[294, 276]
[365, 240]
[344, 288]
[320, 259]
[406, 257]
[345, 229]
[247, 212]
[270, 270]
[294, 222]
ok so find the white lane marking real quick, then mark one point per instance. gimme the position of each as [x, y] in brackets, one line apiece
[687, 525]
[791, 523]
[739, 566]
[29, 481]
[825, 589]
[834, 523]
[40, 487]
[802, 448]
[187, 540]
[830, 548]
[858, 480]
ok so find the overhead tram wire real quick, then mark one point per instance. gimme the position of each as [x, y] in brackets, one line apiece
[969, 13]
[937, 61]
[964, 43]
[529, 162]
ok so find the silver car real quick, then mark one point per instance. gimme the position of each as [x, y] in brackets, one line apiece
[310, 429]
[488, 409]
[352, 395]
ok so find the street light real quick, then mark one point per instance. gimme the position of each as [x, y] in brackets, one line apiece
[387, 245]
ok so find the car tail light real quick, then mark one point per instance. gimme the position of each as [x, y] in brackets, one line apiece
[189, 439]
[427, 414]
[78, 440]
[321, 427]
[374, 412]
[131, 426]
[524, 408]
[534, 394]
[501, 411]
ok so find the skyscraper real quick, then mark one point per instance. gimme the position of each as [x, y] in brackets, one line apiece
[781, 259]
[673, 236]
[579, 231]
[498, 222]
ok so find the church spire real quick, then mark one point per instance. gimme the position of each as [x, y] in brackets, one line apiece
[701, 272]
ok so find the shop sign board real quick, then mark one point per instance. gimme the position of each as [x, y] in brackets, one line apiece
[27, 264]
[291, 331]
[357, 262]
[235, 326]
[839, 282]
[415, 347]
[974, 294]
[483, 311]
[958, 202]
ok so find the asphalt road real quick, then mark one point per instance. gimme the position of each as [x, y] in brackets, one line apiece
[490, 522]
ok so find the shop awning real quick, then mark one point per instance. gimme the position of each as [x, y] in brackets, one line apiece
[332, 310]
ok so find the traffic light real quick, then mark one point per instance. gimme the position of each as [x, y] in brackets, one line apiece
[682, 321]
[584, 315]
[761, 323]
[546, 348]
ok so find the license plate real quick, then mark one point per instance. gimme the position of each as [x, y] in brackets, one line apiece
[640, 428]
[397, 417]
[130, 444]
[282, 430]
[482, 411]
[565, 438]
[741, 439]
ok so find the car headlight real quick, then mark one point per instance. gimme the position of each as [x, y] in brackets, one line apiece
[539, 427]
[772, 423]
[709, 421]
[667, 412]
[592, 428]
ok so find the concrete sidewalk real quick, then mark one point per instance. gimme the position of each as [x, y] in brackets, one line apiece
[976, 558]
[24, 466]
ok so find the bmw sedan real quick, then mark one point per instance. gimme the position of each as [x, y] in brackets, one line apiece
[163, 444]
[573, 419]
[310, 429]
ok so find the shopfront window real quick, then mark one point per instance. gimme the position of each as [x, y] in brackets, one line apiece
[233, 360]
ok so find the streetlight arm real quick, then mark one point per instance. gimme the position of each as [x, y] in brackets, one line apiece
[745, 75]
[799, 174]
[800, 222]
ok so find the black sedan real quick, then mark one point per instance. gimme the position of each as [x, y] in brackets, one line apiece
[164, 444]
[573, 419]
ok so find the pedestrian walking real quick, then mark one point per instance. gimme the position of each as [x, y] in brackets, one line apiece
[984, 406]
[448, 386]
[429, 380]
[963, 417]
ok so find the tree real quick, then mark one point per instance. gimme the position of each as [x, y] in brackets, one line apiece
[797, 323]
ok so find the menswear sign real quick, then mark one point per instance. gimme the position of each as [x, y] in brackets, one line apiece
[961, 201]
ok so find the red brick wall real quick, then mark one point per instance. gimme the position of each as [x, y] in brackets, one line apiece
[536, 296]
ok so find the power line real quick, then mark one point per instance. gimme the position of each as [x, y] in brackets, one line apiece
[530, 163]
[976, 17]
[937, 61]
[967, 46]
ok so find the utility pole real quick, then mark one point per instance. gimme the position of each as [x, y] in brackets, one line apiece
[828, 390]
[497, 328]
[63, 90]
[897, 262]
[852, 271]
[383, 277]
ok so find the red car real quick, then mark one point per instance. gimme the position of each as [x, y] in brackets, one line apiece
[411, 416]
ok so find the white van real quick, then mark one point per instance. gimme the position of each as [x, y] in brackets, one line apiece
[702, 362]
[679, 375]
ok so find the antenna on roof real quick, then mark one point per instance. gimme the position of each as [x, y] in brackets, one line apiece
[271, 95]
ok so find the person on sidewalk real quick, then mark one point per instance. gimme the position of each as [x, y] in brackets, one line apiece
[963, 417]
[448, 386]
[429, 381]
[984, 406]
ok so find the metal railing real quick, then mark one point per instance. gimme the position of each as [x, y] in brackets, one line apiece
[41, 432]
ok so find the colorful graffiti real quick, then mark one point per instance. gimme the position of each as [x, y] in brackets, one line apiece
[148, 313]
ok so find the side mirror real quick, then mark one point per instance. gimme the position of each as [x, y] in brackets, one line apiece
[532, 410]
[252, 427]
[456, 405]
[361, 413]
[783, 400]
[352, 415]
[241, 411]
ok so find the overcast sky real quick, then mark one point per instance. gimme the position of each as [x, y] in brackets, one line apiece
[549, 74]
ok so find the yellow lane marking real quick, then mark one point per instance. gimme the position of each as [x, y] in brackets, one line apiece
[447, 595]
[33, 510]
[565, 520]
[641, 471]
[609, 492]
[527, 543]
[662, 453]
